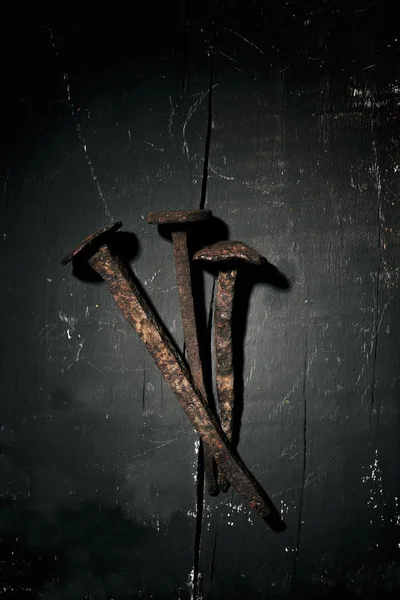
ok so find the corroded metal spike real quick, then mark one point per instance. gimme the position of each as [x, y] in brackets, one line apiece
[167, 358]
[179, 222]
[232, 254]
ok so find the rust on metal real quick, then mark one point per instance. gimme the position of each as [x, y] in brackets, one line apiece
[178, 217]
[94, 238]
[179, 222]
[223, 348]
[170, 363]
[232, 253]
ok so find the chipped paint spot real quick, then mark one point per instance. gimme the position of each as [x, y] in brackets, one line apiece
[374, 477]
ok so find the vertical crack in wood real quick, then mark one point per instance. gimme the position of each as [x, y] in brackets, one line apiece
[199, 521]
[303, 481]
[185, 47]
[240, 554]
[200, 458]
[212, 566]
[203, 197]
[200, 481]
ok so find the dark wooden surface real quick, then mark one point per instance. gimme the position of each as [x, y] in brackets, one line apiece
[283, 119]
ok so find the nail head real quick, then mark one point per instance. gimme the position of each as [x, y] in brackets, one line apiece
[230, 251]
[94, 237]
[178, 217]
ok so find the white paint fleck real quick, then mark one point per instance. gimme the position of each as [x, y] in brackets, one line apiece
[196, 454]
[190, 584]
[151, 279]
[157, 523]
[397, 511]
[71, 322]
[153, 146]
[374, 477]
[284, 508]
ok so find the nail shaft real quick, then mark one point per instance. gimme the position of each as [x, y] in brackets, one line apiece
[224, 348]
[190, 333]
[224, 356]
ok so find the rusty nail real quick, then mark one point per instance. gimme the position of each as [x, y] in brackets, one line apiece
[179, 222]
[167, 358]
[231, 253]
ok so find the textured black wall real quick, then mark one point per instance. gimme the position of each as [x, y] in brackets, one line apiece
[283, 118]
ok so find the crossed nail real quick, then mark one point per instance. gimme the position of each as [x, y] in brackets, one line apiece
[187, 383]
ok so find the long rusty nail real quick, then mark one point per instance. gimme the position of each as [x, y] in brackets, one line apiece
[167, 358]
[179, 223]
[232, 254]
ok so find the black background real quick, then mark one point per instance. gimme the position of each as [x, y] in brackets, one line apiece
[283, 119]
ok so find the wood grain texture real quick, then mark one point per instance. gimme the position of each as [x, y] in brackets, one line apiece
[283, 120]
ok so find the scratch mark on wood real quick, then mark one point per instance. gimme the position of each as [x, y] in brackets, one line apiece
[77, 355]
[84, 147]
[49, 29]
[296, 384]
[230, 58]
[189, 115]
[151, 450]
[220, 174]
[252, 44]
[171, 118]
[361, 10]
[79, 129]
[44, 333]
[93, 365]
